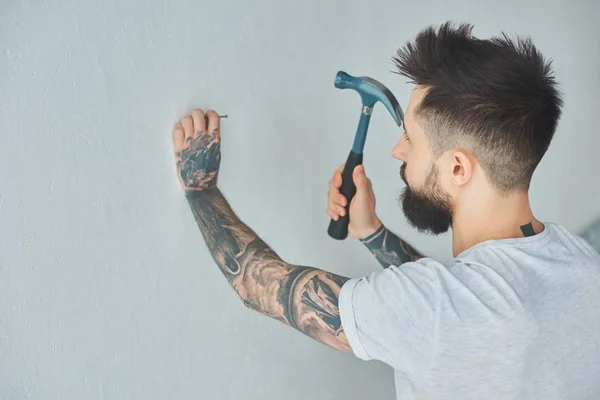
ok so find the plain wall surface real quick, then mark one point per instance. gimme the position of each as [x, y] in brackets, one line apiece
[107, 290]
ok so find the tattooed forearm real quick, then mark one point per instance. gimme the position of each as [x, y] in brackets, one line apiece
[303, 297]
[389, 249]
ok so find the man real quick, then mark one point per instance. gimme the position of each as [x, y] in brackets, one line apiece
[514, 315]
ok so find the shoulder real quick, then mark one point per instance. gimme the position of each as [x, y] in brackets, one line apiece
[581, 244]
[414, 282]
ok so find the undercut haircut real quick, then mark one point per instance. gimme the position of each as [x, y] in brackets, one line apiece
[496, 98]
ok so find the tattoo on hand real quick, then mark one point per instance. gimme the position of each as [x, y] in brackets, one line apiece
[198, 163]
[389, 249]
[303, 297]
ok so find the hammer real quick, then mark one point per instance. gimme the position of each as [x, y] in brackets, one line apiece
[370, 92]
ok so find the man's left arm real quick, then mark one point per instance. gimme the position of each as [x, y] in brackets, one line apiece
[302, 297]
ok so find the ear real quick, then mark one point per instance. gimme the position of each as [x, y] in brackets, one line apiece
[461, 167]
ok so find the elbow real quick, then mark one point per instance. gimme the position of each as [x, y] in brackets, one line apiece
[255, 303]
[246, 301]
[246, 296]
[252, 306]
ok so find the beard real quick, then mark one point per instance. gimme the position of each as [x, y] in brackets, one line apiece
[427, 210]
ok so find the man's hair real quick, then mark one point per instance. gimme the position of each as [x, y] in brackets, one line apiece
[495, 98]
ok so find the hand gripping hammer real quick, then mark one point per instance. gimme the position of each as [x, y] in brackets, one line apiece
[370, 92]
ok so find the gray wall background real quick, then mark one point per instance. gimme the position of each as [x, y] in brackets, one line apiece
[107, 290]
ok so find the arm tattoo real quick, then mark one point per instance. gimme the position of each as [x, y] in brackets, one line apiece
[389, 249]
[304, 298]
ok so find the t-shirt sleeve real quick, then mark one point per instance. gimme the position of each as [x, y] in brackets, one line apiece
[392, 316]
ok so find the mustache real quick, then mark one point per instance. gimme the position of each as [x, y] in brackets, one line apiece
[403, 173]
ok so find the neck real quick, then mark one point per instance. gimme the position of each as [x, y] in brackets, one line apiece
[491, 217]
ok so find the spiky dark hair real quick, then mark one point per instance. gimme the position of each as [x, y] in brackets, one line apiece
[496, 97]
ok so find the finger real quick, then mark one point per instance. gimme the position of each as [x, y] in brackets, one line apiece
[359, 177]
[335, 183]
[188, 128]
[336, 213]
[337, 178]
[332, 188]
[178, 138]
[214, 124]
[336, 208]
[336, 197]
[333, 215]
[199, 123]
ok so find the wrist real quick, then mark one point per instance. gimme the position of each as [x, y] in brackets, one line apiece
[374, 230]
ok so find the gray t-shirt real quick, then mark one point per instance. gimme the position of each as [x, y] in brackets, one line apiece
[505, 319]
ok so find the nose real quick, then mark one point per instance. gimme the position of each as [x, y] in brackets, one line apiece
[399, 150]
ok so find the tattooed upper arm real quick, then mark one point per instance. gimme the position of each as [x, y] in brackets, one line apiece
[312, 305]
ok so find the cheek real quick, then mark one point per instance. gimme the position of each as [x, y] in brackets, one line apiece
[416, 168]
[413, 176]
[445, 183]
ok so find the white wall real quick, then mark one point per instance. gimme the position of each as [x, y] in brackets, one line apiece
[107, 290]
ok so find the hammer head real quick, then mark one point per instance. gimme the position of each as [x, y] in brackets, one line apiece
[371, 91]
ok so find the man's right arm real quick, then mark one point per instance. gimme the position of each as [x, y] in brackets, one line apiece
[389, 249]
[364, 224]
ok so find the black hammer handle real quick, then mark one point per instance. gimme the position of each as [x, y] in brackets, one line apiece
[339, 229]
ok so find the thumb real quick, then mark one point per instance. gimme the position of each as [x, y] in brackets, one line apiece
[360, 179]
